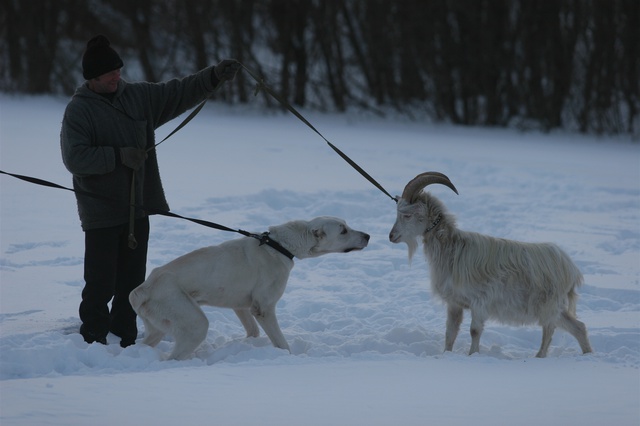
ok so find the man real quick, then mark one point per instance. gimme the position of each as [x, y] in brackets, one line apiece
[107, 134]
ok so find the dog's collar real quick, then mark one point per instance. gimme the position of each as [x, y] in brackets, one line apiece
[265, 239]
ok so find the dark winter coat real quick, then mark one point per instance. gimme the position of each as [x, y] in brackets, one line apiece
[94, 128]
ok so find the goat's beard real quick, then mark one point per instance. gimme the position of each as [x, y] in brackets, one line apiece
[412, 246]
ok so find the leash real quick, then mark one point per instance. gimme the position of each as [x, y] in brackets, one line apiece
[132, 212]
[260, 85]
[263, 238]
[132, 197]
[185, 121]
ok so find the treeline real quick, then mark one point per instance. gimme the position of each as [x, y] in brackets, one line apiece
[548, 64]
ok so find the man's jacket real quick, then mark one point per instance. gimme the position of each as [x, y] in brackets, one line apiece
[94, 129]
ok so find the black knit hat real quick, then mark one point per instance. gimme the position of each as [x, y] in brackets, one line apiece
[99, 58]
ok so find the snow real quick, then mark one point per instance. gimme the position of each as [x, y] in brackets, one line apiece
[366, 335]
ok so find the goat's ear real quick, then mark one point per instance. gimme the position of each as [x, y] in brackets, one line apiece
[411, 210]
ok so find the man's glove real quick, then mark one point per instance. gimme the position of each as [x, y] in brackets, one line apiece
[133, 157]
[227, 69]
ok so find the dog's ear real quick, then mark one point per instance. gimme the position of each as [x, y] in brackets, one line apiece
[318, 233]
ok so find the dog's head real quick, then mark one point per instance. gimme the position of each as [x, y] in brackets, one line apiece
[333, 235]
[318, 236]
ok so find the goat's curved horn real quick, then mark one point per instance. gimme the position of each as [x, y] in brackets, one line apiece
[415, 185]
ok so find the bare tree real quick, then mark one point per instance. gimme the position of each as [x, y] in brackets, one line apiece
[32, 33]
[537, 63]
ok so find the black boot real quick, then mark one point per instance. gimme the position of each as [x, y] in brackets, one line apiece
[91, 337]
[126, 338]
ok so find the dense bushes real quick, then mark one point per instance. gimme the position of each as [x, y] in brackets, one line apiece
[532, 63]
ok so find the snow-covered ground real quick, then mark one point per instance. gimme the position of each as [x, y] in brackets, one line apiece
[366, 335]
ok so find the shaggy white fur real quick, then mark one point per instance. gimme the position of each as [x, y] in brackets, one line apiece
[508, 281]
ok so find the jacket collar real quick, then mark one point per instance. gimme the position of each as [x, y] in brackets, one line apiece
[85, 92]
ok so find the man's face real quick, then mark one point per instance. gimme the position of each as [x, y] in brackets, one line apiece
[105, 83]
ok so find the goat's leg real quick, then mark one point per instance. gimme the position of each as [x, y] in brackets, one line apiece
[577, 330]
[454, 319]
[547, 334]
[477, 326]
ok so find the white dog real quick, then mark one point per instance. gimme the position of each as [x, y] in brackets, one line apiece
[242, 274]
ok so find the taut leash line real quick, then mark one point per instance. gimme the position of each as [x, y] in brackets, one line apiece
[260, 85]
[263, 238]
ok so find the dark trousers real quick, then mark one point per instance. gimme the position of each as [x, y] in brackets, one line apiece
[111, 271]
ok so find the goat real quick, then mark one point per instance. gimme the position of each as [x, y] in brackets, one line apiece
[509, 281]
